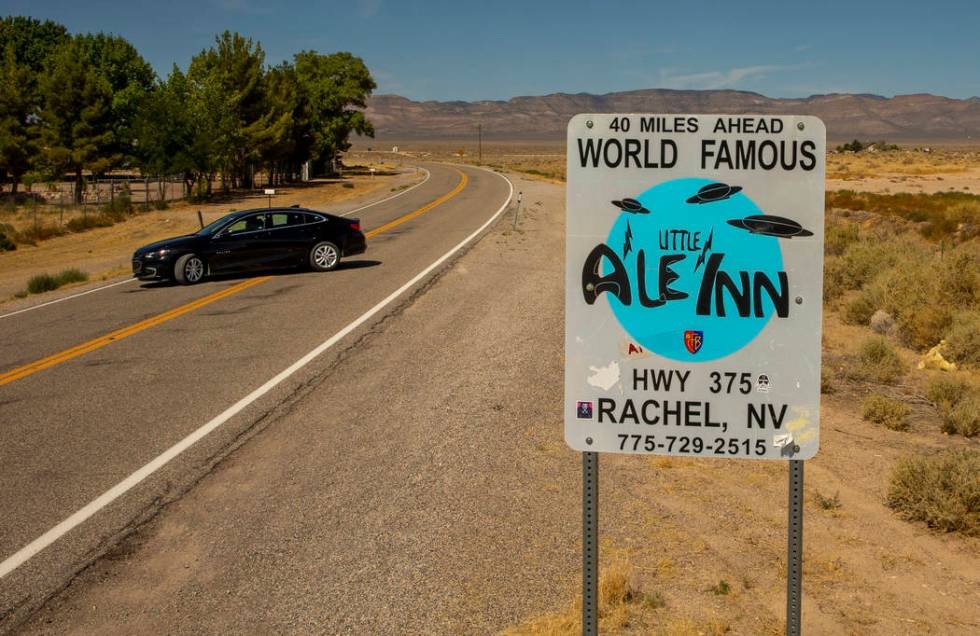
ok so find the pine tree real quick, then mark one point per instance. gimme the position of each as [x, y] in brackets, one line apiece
[17, 114]
[76, 125]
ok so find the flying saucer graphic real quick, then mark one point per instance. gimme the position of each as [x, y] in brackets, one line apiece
[632, 206]
[768, 225]
[714, 192]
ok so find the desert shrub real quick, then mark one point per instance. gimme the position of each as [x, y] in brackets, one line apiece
[964, 417]
[923, 327]
[943, 490]
[89, 221]
[826, 380]
[839, 237]
[46, 282]
[878, 361]
[859, 264]
[963, 338]
[160, 204]
[118, 208]
[73, 275]
[6, 242]
[348, 184]
[34, 233]
[827, 503]
[41, 283]
[858, 310]
[890, 413]
[939, 214]
[946, 392]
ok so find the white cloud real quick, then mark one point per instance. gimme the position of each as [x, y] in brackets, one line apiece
[720, 79]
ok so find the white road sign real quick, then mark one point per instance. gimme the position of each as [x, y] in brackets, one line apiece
[693, 284]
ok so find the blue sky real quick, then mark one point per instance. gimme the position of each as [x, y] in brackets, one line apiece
[499, 49]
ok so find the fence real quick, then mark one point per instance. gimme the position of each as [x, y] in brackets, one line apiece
[144, 191]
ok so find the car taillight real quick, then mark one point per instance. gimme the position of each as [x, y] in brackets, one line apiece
[356, 225]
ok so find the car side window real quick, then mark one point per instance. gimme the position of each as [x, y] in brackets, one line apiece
[279, 219]
[252, 223]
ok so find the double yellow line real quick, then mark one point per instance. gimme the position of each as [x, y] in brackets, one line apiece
[463, 180]
[119, 334]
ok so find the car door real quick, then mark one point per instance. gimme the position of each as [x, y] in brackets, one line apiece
[290, 237]
[241, 246]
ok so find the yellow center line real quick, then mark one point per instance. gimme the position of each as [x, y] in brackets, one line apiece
[119, 334]
[463, 180]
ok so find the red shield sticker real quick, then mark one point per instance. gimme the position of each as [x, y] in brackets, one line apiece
[693, 340]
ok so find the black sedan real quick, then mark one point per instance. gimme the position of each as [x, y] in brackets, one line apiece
[252, 240]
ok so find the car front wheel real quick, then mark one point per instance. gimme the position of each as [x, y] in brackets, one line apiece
[324, 256]
[189, 269]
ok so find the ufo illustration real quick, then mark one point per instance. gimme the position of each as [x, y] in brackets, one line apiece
[768, 225]
[632, 206]
[714, 192]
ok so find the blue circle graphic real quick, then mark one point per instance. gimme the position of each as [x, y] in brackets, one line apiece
[657, 232]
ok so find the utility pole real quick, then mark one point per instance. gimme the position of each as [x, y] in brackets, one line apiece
[479, 136]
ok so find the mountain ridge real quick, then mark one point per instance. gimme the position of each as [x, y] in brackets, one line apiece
[915, 116]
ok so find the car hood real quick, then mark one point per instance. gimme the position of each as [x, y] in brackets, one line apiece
[178, 242]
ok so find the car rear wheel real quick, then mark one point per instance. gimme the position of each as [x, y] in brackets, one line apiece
[324, 256]
[189, 269]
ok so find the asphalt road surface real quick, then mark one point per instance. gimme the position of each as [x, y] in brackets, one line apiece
[93, 390]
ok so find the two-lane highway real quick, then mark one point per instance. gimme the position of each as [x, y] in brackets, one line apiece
[112, 404]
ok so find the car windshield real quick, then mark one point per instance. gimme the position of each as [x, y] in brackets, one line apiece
[214, 226]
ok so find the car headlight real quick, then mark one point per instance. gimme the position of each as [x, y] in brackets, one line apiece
[156, 254]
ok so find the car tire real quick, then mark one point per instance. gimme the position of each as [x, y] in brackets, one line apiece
[189, 269]
[324, 256]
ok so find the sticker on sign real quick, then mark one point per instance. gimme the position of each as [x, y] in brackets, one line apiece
[693, 284]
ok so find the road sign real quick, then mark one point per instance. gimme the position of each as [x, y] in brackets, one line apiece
[693, 284]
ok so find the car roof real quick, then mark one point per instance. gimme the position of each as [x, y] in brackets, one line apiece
[241, 213]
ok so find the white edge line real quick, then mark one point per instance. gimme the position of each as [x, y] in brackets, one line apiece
[406, 191]
[129, 280]
[58, 300]
[23, 555]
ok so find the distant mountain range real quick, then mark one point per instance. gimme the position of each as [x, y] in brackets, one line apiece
[919, 117]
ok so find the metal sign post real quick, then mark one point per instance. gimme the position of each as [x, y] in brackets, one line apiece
[590, 544]
[517, 210]
[693, 297]
[794, 549]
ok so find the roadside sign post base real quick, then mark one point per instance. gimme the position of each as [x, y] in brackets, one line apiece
[794, 548]
[590, 543]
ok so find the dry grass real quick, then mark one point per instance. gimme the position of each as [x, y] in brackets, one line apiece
[622, 606]
[876, 361]
[902, 162]
[937, 216]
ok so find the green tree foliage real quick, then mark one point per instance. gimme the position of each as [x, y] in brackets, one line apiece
[335, 86]
[91, 103]
[33, 41]
[167, 131]
[17, 109]
[130, 79]
[25, 45]
[76, 125]
[227, 83]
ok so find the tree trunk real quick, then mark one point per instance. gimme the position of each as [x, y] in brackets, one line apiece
[78, 186]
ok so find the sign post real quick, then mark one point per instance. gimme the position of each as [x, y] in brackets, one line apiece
[694, 287]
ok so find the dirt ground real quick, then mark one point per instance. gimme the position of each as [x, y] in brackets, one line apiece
[104, 253]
